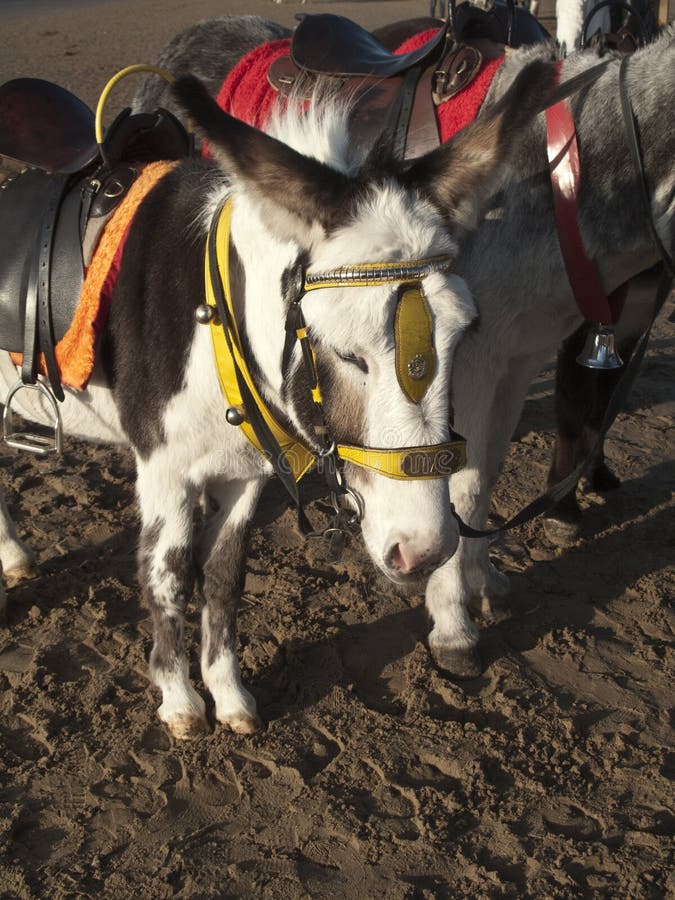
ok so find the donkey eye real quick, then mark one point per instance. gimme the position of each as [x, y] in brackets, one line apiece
[358, 361]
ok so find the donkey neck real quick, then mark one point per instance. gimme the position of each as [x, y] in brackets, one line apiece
[258, 266]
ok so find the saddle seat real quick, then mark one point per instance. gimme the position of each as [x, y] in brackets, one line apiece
[327, 44]
[44, 126]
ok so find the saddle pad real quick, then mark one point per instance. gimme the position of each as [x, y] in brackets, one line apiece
[76, 351]
[247, 94]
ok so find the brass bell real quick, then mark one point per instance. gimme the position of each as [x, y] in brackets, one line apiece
[599, 351]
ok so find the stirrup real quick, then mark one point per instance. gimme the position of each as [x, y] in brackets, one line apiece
[39, 444]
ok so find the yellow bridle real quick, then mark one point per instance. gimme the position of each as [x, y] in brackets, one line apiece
[434, 461]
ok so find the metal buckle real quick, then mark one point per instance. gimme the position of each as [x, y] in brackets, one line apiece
[39, 444]
[343, 511]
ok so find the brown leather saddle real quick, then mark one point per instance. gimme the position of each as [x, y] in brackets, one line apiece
[57, 190]
[393, 96]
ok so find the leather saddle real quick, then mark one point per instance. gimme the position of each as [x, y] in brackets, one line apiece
[58, 188]
[393, 96]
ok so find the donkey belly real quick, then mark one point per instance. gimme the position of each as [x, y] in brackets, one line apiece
[90, 415]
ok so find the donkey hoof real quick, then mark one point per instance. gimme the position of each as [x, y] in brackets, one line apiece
[243, 723]
[462, 662]
[23, 572]
[186, 726]
[561, 532]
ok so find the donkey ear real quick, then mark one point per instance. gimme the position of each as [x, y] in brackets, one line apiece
[296, 191]
[461, 175]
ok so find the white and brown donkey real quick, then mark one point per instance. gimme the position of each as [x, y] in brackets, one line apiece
[350, 242]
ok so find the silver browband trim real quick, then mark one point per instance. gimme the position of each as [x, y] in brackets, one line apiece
[365, 274]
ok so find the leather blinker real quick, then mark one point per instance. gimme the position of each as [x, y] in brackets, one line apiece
[413, 333]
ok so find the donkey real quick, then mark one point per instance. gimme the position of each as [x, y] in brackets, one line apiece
[513, 266]
[338, 245]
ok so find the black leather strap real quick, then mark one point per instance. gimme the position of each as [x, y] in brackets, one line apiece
[45, 330]
[400, 118]
[30, 332]
[38, 313]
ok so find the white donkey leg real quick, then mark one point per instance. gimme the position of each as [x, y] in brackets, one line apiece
[487, 422]
[221, 560]
[167, 577]
[17, 559]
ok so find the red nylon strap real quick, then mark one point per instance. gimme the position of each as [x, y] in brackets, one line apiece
[563, 159]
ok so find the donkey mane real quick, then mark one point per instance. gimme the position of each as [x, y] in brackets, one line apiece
[318, 129]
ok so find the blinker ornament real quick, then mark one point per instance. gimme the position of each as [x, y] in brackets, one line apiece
[413, 333]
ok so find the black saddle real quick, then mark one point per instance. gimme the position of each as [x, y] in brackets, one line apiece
[393, 96]
[58, 188]
[326, 44]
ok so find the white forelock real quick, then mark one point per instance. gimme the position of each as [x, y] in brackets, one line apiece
[390, 224]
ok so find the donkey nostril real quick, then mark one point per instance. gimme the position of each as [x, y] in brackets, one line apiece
[395, 558]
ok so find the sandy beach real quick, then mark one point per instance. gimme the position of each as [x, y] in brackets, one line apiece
[549, 776]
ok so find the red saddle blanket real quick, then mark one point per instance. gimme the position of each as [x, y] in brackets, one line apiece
[247, 94]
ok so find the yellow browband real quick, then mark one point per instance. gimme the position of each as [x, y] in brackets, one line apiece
[374, 274]
[435, 461]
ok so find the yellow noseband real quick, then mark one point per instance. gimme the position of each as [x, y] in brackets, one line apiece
[430, 461]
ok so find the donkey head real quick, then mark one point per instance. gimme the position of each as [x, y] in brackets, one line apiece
[365, 251]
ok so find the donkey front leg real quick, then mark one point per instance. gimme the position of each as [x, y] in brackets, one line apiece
[221, 555]
[487, 419]
[167, 578]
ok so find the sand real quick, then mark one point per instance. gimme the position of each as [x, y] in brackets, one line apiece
[547, 776]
